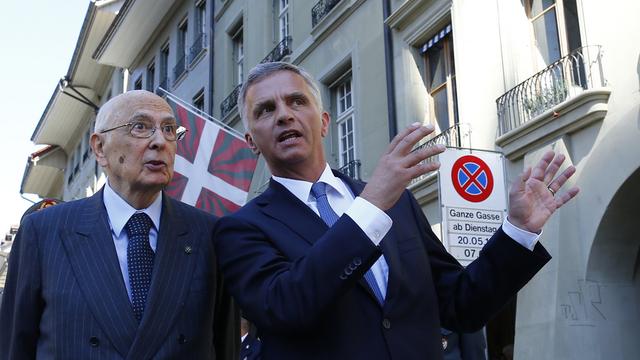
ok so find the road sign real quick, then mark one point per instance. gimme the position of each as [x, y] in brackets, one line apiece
[473, 200]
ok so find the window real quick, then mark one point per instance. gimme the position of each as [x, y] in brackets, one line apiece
[441, 79]
[181, 50]
[201, 16]
[198, 100]
[199, 31]
[555, 27]
[86, 147]
[164, 67]
[283, 18]
[138, 84]
[238, 56]
[344, 120]
[151, 74]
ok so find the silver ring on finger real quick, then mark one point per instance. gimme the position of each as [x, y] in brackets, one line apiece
[553, 193]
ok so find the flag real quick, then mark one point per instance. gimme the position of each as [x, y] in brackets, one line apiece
[213, 167]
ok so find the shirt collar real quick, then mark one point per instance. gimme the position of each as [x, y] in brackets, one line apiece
[119, 211]
[302, 189]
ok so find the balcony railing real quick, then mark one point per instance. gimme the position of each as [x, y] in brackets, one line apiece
[230, 102]
[351, 169]
[198, 45]
[564, 79]
[321, 9]
[455, 136]
[279, 52]
[180, 68]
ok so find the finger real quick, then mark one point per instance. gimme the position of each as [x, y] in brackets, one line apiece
[541, 167]
[407, 143]
[519, 183]
[564, 198]
[401, 135]
[423, 168]
[553, 168]
[421, 154]
[558, 182]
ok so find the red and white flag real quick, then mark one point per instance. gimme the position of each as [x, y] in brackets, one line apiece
[213, 167]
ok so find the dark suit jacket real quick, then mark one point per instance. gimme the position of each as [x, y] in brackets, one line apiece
[65, 297]
[464, 346]
[302, 283]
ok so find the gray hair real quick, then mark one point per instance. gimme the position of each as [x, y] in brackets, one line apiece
[261, 71]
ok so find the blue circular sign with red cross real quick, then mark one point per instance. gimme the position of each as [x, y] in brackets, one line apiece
[472, 178]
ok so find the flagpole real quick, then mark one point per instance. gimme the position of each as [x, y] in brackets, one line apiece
[192, 109]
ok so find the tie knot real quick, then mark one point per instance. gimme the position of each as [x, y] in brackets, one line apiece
[138, 224]
[319, 189]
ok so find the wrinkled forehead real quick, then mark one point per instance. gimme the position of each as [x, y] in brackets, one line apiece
[280, 83]
[127, 107]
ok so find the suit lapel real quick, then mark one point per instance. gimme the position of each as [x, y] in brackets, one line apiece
[93, 257]
[172, 271]
[389, 250]
[279, 203]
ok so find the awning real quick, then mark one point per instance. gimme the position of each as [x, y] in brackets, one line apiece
[44, 173]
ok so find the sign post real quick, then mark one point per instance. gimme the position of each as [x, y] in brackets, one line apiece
[473, 200]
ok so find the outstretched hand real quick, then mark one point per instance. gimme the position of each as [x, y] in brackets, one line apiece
[535, 196]
[399, 165]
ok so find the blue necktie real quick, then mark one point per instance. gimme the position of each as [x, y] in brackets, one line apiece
[139, 260]
[319, 191]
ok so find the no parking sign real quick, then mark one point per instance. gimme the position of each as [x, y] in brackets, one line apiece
[473, 200]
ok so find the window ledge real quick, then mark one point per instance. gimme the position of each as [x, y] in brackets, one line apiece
[182, 76]
[565, 118]
[197, 58]
[425, 189]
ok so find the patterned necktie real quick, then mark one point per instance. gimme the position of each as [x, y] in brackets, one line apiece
[319, 191]
[139, 260]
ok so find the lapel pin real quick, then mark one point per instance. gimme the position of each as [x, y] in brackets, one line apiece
[188, 249]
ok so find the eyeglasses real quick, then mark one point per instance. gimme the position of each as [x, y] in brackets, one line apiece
[144, 130]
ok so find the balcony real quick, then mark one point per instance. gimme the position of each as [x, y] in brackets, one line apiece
[563, 80]
[455, 136]
[321, 9]
[198, 45]
[351, 169]
[179, 69]
[230, 102]
[279, 52]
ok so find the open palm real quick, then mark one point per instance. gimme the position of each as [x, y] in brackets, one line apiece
[533, 197]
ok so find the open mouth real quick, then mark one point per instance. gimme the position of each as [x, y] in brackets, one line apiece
[288, 135]
[155, 164]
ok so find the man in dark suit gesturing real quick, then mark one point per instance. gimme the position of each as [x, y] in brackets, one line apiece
[331, 268]
[128, 273]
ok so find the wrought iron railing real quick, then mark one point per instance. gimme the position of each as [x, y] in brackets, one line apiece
[456, 136]
[197, 47]
[230, 102]
[564, 79]
[321, 9]
[351, 169]
[279, 52]
[180, 68]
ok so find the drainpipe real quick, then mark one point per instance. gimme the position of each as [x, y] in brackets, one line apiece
[390, 78]
[211, 56]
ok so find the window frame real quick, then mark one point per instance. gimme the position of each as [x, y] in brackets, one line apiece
[237, 40]
[345, 116]
[283, 19]
[449, 83]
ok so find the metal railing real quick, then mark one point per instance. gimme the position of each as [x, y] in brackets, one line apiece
[564, 79]
[197, 47]
[180, 68]
[351, 169]
[279, 52]
[456, 136]
[230, 102]
[321, 9]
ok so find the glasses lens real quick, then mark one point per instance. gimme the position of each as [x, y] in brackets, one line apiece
[141, 129]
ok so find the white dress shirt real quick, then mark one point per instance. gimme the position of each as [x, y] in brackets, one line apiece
[119, 212]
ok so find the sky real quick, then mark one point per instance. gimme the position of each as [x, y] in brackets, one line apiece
[37, 39]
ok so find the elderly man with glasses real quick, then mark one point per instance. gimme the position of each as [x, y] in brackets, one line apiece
[128, 272]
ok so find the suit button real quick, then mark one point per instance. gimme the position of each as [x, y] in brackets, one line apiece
[348, 271]
[386, 323]
[343, 277]
[182, 339]
[357, 261]
[94, 341]
[353, 267]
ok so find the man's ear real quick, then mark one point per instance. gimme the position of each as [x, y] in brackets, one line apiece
[252, 145]
[325, 123]
[97, 146]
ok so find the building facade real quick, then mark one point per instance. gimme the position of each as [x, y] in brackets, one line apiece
[518, 77]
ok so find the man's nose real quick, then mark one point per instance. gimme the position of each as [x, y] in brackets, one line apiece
[283, 114]
[157, 139]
